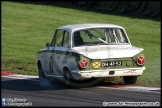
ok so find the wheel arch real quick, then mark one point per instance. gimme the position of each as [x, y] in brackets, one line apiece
[66, 68]
[38, 64]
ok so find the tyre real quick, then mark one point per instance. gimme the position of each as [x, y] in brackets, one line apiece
[67, 77]
[42, 76]
[72, 83]
[130, 79]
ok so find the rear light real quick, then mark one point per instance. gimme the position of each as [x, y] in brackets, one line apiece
[83, 63]
[141, 60]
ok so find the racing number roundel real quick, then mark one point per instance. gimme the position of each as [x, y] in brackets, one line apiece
[51, 64]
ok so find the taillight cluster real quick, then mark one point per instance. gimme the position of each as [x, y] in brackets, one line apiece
[83, 63]
[141, 60]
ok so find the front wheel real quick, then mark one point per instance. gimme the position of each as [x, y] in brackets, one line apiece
[130, 79]
[42, 77]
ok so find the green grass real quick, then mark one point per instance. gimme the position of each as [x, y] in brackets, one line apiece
[27, 27]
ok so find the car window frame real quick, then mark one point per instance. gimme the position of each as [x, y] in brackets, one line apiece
[60, 44]
[53, 39]
[65, 31]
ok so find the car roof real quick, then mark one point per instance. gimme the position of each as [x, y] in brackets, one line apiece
[88, 25]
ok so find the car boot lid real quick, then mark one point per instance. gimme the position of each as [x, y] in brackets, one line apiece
[105, 52]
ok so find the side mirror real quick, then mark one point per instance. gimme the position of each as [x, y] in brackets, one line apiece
[48, 45]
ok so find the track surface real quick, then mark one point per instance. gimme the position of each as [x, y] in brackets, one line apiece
[56, 94]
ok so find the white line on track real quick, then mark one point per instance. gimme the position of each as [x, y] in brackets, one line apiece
[21, 77]
[136, 88]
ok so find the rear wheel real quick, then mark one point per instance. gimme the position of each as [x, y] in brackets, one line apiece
[130, 79]
[70, 82]
[67, 77]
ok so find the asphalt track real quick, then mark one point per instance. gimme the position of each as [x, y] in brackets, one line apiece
[55, 94]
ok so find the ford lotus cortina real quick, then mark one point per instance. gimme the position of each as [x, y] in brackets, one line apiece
[80, 52]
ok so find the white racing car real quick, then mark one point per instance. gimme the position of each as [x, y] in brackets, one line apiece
[83, 52]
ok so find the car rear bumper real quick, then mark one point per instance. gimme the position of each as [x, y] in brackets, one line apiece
[107, 73]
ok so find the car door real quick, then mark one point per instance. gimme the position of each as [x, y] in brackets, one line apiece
[62, 52]
[48, 61]
[51, 64]
[55, 56]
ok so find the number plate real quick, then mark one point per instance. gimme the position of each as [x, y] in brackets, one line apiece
[114, 63]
